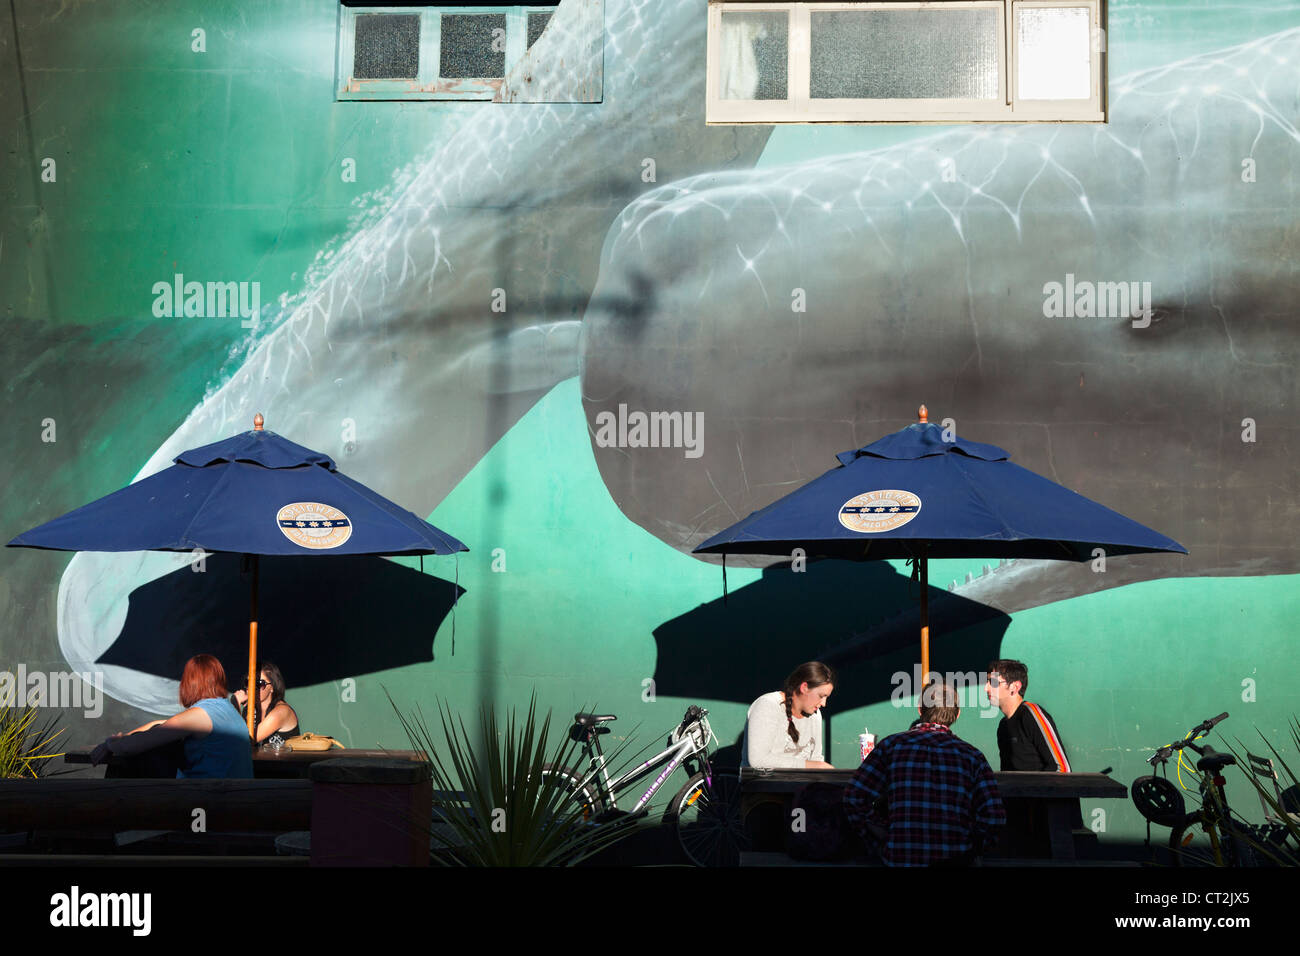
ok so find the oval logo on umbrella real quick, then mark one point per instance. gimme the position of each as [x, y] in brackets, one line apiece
[313, 525]
[878, 511]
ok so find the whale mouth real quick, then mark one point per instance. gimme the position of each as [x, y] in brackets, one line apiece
[315, 614]
[92, 610]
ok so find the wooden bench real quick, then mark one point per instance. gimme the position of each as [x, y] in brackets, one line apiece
[1057, 793]
[373, 811]
[235, 805]
[760, 858]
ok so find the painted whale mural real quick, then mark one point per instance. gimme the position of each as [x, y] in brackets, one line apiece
[1113, 304]
[401, 338]
[925, 273]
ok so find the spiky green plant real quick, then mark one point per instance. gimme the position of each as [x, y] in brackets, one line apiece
[1285, 852]
[25, 745]
[512, 814]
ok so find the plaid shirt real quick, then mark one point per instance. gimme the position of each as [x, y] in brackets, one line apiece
[931, 791]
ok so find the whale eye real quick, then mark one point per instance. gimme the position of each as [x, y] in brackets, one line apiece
[1156, 319]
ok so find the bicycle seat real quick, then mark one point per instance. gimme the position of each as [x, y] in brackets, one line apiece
[1214, 762]
[591, 720]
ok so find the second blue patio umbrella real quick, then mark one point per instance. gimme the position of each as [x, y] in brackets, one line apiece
[254, 493]
[915, 495]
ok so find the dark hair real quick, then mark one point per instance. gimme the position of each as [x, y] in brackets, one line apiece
[277, 681]
[815, 673]
[202, 678]
[1011, 672]
[939, 704]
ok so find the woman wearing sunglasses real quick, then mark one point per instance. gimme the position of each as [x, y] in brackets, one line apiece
[275, 718]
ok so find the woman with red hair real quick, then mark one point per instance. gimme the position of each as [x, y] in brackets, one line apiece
[216, 739]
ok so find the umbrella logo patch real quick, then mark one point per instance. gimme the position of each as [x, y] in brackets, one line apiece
[878, 511]
[313, 525]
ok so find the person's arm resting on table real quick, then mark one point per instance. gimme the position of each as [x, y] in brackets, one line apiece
[156, 733]
[281, 717]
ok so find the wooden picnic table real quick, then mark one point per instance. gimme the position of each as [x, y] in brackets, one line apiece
[282, 765]
[1058, 793]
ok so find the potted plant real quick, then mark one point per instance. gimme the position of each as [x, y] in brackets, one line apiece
[26, 747]
[512, 813]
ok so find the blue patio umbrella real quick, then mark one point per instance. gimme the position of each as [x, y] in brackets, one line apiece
[254, 493]
[914, 495]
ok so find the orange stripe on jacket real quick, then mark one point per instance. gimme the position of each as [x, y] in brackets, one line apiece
[1049, 734]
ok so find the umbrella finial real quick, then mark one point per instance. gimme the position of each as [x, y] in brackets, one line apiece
[257, 422]
[924, 414]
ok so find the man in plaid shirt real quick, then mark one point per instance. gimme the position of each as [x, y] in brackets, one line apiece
[926, 795]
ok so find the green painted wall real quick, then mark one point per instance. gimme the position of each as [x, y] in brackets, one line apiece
[227, 165]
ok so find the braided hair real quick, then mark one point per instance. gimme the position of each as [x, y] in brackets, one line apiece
[814, 673]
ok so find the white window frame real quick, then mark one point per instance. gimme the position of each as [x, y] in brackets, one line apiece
[428, 84]
[1090, 110]
[799, 107]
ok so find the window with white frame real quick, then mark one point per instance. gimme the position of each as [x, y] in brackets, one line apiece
[941, 61]
[433, 52]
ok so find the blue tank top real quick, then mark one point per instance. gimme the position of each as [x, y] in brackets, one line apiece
[226, 751]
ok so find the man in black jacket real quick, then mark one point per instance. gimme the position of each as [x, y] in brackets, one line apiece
[1027, 740]
[1027, 736]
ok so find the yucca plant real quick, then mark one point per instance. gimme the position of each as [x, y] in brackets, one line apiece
[25, 745]
[1286, 851]
[513, 813]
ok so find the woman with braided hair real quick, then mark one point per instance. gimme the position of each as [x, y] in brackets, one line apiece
[784, 728]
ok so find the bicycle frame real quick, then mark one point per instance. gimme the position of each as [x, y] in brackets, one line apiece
[1215, 817]
[675, 755]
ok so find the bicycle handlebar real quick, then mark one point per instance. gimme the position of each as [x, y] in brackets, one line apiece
[1164, 753]
[1209, 724]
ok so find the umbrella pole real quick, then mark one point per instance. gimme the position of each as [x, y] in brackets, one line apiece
[252, 655]
[925, 618]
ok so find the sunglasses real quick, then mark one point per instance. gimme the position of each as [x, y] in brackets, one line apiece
[264, 683]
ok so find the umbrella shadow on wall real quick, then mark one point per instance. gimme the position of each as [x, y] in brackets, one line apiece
[862, 618]
[321, 618]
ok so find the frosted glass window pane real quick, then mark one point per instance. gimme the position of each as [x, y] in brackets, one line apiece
[755, 56]
[387, 46]
[467, 45]
[536, 24]
[905, 54]
[1053, 55]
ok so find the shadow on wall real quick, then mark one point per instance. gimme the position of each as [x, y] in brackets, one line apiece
[321, 619]
[860, 618]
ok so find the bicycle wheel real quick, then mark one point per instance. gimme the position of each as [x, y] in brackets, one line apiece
[584, 793]
[1238, 848]
[1190, 844]
[707, 820]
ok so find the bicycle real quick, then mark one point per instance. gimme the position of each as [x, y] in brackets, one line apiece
[1231, 840]
[705, 813]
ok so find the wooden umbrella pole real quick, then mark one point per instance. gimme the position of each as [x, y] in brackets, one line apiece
[922, 417]
[252, 655]
[924, 621]
[925, 618]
